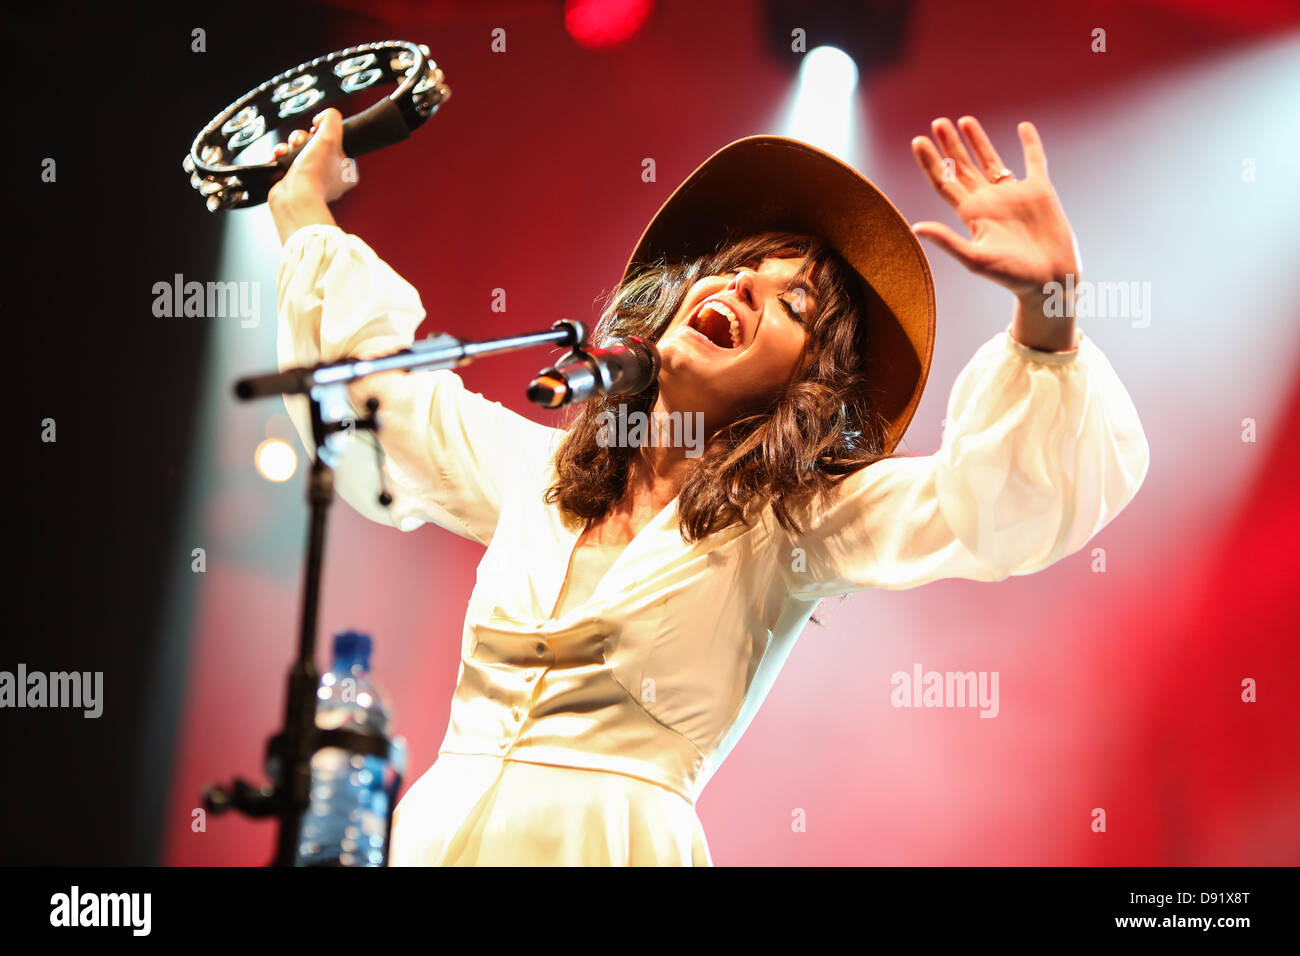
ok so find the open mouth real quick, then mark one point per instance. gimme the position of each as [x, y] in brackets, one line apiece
[717, 323]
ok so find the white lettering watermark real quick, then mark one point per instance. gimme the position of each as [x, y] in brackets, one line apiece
[208, 300]
[102, 909]
[57, 689]
[638, 429]
[946, 689]
[1100, 300]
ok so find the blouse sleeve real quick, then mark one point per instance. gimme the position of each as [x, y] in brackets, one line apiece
[450, 455]
[1040, 451]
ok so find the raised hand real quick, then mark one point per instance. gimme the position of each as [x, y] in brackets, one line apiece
[318, 175]
[1019, 237]
[321, 167]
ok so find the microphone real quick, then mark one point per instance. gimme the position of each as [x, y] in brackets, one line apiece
[630, 365]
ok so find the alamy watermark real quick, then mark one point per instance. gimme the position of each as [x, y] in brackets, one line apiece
[1099, 300]
[208, 300]
[946, 689]
[637, 429]
[78, 689]
[129, 910]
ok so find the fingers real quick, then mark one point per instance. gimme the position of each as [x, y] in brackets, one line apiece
[942, 176]
[963, 250]
[330, 116]
[296, 139]
[990, 163]
[328, 123]
[1035, 158]
[949, 140]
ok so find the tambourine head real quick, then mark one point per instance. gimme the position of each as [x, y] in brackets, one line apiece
[232, 162]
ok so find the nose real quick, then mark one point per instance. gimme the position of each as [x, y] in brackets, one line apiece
[742, 285]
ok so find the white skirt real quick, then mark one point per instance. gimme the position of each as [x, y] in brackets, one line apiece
[469, 810]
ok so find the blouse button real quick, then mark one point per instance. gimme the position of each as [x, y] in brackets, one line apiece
[541, 649]
[528, 678]
[517, 713]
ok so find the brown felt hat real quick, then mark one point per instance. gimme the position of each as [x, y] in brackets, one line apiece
[774, 182]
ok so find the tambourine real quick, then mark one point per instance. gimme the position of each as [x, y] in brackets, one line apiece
[232, 162]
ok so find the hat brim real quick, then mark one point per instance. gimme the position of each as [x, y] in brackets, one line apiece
[775, 182]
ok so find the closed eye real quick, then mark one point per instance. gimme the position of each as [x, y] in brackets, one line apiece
[790, 309]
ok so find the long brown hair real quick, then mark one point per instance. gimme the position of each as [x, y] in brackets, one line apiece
[818, 429]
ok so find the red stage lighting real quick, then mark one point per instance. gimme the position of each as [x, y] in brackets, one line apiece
[595, 24]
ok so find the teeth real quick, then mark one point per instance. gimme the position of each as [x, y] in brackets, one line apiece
[722, 309]
[719, 306]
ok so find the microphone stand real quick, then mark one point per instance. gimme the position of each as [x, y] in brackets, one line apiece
[289, 753]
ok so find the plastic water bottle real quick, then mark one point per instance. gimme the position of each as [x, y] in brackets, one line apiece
[347, 821]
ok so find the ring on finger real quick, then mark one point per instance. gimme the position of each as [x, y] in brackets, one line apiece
[1002, 174]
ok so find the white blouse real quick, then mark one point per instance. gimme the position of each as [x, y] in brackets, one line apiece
[591, 561]
[587, 737]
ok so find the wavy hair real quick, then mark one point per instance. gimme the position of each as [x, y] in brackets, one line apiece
[817, 429]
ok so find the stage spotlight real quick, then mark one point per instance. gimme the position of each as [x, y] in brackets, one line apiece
[596, 24]
[275, 460]
[829, 72]
[822, 112]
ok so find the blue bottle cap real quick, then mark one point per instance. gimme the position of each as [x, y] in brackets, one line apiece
[352, 648]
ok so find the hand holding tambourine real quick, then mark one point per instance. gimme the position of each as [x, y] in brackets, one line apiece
[320, 168]
[240, 154]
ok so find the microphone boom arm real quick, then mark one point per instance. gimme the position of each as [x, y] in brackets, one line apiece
[435, 352]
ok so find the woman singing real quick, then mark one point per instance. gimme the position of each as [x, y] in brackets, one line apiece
[637, 599]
